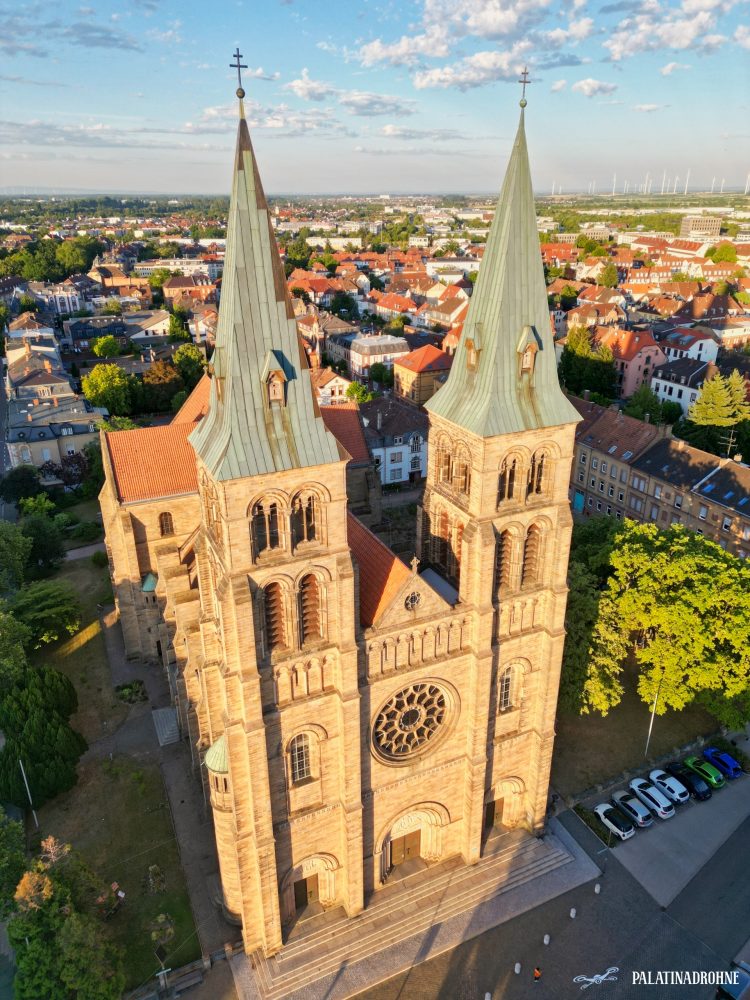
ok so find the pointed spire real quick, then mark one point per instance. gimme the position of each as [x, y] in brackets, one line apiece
[262, 416]
[504, 373]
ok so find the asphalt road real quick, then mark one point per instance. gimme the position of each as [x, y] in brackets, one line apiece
[622, 927]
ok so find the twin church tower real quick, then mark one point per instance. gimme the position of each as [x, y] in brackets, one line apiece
[347, 712]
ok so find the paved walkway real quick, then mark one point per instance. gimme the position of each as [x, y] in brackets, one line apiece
[84, 551]
[410, 922]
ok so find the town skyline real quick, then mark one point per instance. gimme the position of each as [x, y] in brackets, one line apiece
[407, 102]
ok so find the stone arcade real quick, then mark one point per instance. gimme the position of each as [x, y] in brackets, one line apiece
[348, 713]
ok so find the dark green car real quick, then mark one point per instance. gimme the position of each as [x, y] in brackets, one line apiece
[707, 771]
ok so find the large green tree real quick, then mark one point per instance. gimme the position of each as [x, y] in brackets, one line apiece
[190, 363]
[14, 555]
[608, 277]
[108, 386]
[12, 861]
[106, 347]
[161, 382]
[585, 366]
[48, 609]
[21, 481]
[47, 549]
[644, 401]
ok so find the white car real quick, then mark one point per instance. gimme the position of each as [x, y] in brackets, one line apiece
[667, 783]
[652, 798]
[633, 808]
[614, 820]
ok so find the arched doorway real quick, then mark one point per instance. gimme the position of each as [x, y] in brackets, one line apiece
[309, 887]
[415, 834]
[504, 805]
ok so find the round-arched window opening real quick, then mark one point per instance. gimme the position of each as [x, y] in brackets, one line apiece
[410, 721]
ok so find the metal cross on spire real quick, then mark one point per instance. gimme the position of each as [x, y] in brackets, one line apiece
[238, 66]
[524, 81]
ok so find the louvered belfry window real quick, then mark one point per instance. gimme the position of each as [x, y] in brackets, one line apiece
[304, 519]
[265, 527]
[503, 560]
[507, 480]
[275, 625]
[311, 619]
[532, 550]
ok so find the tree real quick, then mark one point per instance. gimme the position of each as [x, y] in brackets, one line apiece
[692, 638]
[643, 402]
[106, 347]
[178, 400]
[723, 253]
[671, 412]
[47, 549]
[4, 317]
[12, 862]
[91, 966]
[583, 366]
[157, 278]
[21, 481]
[608, 277]
[177, 327]
[48, 609]
[161, 382]
[14, 554]
[715, 405]
[77, 255]
[40, 504]
[27, 303]
[343, 306]
[112, 307]
[190, 363]
[357, 391]
[108, 386]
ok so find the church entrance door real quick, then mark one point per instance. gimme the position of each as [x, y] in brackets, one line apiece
[489, 814]
[406, 847]
[306, 892]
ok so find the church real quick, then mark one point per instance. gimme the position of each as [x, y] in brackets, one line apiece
[348, 712]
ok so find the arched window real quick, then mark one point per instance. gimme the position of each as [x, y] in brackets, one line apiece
[275, 618]
[166, 525]
[462, 472]
[537, 471]
[506, 484]
[443, 462]
[264, 527]
[441, 541]
[505, 690]
[311, 618]
[299, 758]
[503, 560]
[305, 518]
[532, 551]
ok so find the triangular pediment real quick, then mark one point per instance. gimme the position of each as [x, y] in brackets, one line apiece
[403, 610]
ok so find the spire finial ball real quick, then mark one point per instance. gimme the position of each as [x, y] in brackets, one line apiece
[523, 102]
[240, 92]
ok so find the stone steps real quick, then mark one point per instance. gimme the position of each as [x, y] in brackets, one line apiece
[403, 915]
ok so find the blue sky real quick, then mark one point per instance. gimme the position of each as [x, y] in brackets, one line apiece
[373, 96]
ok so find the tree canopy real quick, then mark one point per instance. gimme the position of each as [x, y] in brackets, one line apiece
[106, 347]
[585, 366]
[190, 363]
[48, 609]
[21, 481]
[108, 386]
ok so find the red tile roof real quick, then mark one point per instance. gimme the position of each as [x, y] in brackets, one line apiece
[425, 359]
[196, 405]
[342, 420]
[153, 462]
[381, 573]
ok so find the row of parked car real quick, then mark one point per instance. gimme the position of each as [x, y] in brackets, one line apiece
[663, 789]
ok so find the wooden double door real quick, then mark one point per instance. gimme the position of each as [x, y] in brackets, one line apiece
[406, 847]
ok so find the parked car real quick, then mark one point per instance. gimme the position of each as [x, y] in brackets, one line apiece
[651, 797]
[724, 762]
[633, 808]
[711, 775]
[615, 821]
[667, 783]
[697, 787]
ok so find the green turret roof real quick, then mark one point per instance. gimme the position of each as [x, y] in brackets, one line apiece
[216, 758]
[489, 390]
[252, 426]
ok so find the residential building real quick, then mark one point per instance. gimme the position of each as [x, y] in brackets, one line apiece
[698, 343]
[28, 323]
[347, 712]
[182, 265]
[365, 350]
[417, 376]
[194, 287]
[396, 436]
[704, 227]
[50, 429]
[636, 353]
[329, 386]
[62, 299]
[679, 381]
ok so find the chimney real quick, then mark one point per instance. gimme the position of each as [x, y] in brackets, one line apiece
[586, 394]
[29, 417]
[55, 401]
[620, 416]
[647, 418]
[380, 420]
[47, 365]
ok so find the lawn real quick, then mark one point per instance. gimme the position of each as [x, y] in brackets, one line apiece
[83, 657]
[117, 817]
[591, 749]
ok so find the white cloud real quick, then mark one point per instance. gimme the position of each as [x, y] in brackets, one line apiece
[591, 88]
[672, 67]
[577, 31]
[648, 108]
[407, 50]
[558, 85]
[310, 90]
[362, 102]
[436, 134]
[742, 36]
[473, 71]
[260, 74]
[653, 29]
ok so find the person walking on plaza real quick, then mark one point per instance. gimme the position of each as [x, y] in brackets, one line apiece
[537, 973]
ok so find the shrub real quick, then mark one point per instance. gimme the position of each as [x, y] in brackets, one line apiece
[99, 559]
[87, 531]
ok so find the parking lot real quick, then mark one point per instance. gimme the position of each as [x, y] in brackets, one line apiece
[664, 857]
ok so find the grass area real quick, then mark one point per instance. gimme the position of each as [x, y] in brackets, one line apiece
[117, 818]
[591, 749]
[83, 657]
[86, 510]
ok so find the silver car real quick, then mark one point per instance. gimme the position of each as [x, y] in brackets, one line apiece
[651, 797]
[633, 808]
[667, 783]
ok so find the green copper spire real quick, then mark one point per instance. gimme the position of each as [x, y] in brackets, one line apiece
[262, 414]
[504, 374]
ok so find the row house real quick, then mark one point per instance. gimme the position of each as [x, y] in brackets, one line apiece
[328, 385]
[417, 376]
[732, 331]
[396, 436]
[195, 287]
[365, 350]
[37, 376]
[388, 305]
[698, 343]
[28, 324]
[592, 314]
[444, 314]
[636, 353]
[48, 430]
[679, 382]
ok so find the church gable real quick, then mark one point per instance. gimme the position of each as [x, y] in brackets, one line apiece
[414, 601]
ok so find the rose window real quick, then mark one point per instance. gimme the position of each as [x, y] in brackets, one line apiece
[409, 720]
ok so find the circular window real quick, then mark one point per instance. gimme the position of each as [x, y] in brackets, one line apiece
[412, 601]
[409, 720]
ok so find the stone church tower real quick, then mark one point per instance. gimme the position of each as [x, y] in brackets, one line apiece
[350, 713]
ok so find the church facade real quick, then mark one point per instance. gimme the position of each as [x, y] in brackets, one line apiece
[348, 712]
